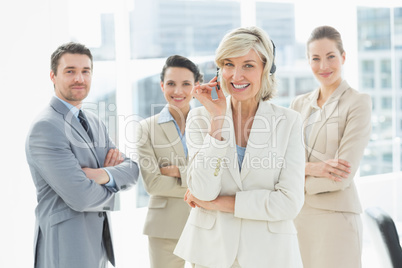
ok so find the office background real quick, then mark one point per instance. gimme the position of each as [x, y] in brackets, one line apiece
[130, 39]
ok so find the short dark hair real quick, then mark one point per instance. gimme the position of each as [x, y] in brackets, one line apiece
[182, 62]
[72, 48]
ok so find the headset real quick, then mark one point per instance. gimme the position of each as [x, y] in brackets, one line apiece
[273, 67]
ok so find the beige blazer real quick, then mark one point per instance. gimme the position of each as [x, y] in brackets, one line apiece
[160, 145]
[342, 131]
[269, 191]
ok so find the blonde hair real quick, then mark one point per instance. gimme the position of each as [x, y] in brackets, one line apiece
[238, 43]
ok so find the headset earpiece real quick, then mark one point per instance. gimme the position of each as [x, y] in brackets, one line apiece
[273, 67]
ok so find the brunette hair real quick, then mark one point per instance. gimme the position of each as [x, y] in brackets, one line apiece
[328, 32]
[182, 62]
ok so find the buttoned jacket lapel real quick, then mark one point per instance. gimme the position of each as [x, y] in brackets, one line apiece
[72, 124]
[308, 104]
[171, 134]
[231, 153]
[329, 110]
[263, 135]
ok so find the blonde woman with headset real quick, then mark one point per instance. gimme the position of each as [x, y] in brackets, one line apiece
[246, 170]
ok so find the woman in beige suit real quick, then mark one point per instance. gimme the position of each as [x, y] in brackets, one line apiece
[336, 130]
[246, 170]
[163, 162]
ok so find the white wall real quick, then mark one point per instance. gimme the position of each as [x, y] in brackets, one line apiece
[25, 48]
[30, 31]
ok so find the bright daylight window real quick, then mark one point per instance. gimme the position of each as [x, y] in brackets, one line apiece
[176, 27]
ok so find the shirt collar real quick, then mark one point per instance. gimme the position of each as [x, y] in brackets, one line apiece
[71, 107]
[165, 116]
[336, 94]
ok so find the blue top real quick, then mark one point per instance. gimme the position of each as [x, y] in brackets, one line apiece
[111, 184]
[164, 117]
[241, 151]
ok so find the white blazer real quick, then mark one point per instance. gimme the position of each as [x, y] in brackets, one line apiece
[269, 191]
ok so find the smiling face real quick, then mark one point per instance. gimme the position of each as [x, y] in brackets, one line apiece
[242, 76]
[326, 62]
[177, 85]
[73, 80]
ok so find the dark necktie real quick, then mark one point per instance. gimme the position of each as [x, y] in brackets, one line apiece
[107, 240]
[84, 123]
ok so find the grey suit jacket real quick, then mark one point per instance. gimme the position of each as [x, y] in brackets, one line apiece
[70, 211]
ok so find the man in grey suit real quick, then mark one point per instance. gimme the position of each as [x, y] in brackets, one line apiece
[76, 170]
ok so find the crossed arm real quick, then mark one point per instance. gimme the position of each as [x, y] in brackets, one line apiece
[171, 171]
[99, 175]
[222, 203]
[320, 177]
[334, 169]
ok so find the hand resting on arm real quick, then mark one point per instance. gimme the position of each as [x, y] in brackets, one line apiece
[99, 175]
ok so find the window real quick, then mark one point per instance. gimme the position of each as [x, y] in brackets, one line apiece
[176, 27]
[373, 28]
[304, 85]
[386, 103]
[99, 36]
[368, 82]
[374, 39]
[386, 81]
[386, 67]
[368, 66]
[283, 87]
[368, 74]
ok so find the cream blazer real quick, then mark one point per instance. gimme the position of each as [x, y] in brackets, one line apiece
[160, 145]
[268, 190]
[341, 132]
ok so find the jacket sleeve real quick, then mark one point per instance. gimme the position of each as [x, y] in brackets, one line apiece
[287, 198]
[351, 147]
[50, 156]
[126, 173]
[154, 182]
[206, 158]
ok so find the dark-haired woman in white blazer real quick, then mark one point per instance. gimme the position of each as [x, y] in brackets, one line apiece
[337, 127]
[163, 162]
[246, 169]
